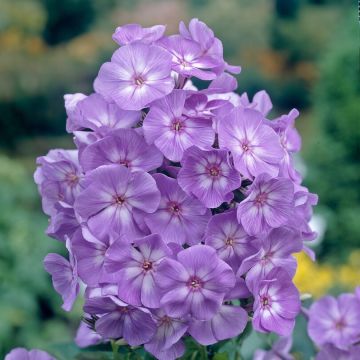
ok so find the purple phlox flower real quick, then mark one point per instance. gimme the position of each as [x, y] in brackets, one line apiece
[199, 32]
[223, 84]
[277, 303]
[180, 218]
[285, 127]
[197, 105]
[188, 58]
[130, 33]
[357, 292]
[228, 322]
[335, 321]
[309, 252]
[58, 178]
[101, 116]
[64, 276]
[302, 214]
[228, 237]
[73, 115]
[90, 255]
[63, 222]
[136, 267]
[125, 147]
[195, 283]
[211, 46]
[104, 290]
[175, 351]
[23, 354]
[331, 352]
[171, 131]
[208, 176]
[85, 336]
[274, 250]
[120, 320]
[219, 101]
[169, 332]
[223, 111]
[280, 350]
[255, 146]
[233, 69]
[270, 204]
[291, 142]
[261, 102]
[82, 139]
[239, 291]
[137, 75]
[111, 197]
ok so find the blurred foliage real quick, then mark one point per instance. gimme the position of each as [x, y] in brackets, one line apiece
[334, 173]
[287, 8]
[66, 19]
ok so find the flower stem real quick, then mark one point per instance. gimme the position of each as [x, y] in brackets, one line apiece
[115, 348]
[203, 352]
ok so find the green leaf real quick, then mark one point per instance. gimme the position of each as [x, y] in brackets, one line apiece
[64, 351]
[221, 356]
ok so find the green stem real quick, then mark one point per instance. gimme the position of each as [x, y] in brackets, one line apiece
[115, 350]
[204, 354]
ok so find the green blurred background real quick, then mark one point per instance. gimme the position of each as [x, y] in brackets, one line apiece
[303, 52]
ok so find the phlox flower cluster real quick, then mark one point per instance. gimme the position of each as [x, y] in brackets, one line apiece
[180, 208]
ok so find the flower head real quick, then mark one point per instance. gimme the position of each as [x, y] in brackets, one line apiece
[112, 197]
[255, 146]
[274, 250]
[195, 283]
[130, 33]
[261, 102]
[90, 255]
[228, 237]
[180, 218]
[118, 319]
[229, 322]
[208, 176]
[269, 205]
[63, 223]
[125, 147]
[211, 46]
[64, 276]
[331, 352]
[137, 75]
[58, 178]
[136, 268]
[171, 131]
[169, 332]
[23, 354]
[277, 303]
[188, 58]
[335, 321]
[85, 336]
[97, 114]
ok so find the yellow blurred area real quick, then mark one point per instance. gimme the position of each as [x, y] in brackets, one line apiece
[319, 278]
